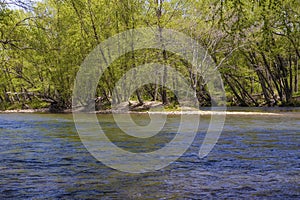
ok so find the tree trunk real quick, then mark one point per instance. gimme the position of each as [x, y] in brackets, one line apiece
[296, 76]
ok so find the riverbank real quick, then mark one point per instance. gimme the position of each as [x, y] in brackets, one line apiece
[177, 112]
[158, 108]
[42, 110]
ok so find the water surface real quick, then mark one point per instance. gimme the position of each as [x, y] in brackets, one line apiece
[41, 156]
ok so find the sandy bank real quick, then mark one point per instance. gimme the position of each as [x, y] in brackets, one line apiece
[184, 112]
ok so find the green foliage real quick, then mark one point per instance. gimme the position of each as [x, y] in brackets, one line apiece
[255, 45]
[172, 107]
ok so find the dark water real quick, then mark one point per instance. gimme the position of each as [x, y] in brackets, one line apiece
[257, 157]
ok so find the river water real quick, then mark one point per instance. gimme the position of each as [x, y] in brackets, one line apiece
[257, 156]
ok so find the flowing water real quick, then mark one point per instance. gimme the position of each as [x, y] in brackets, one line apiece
[257, 156]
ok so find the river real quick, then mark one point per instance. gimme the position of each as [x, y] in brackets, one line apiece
[257, 156]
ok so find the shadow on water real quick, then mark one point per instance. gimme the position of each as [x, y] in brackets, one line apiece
[41, 156]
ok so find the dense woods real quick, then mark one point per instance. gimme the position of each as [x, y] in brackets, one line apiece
[254, 43]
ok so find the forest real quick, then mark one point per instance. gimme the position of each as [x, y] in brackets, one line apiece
[254, 43]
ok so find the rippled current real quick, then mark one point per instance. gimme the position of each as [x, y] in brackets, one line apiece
[256, 157]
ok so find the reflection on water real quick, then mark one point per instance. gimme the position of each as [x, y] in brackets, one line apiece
[41, 156]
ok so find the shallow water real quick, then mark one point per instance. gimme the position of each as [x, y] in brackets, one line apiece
[42, 157]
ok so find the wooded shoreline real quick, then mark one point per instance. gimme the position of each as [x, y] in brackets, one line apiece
[254, 45]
